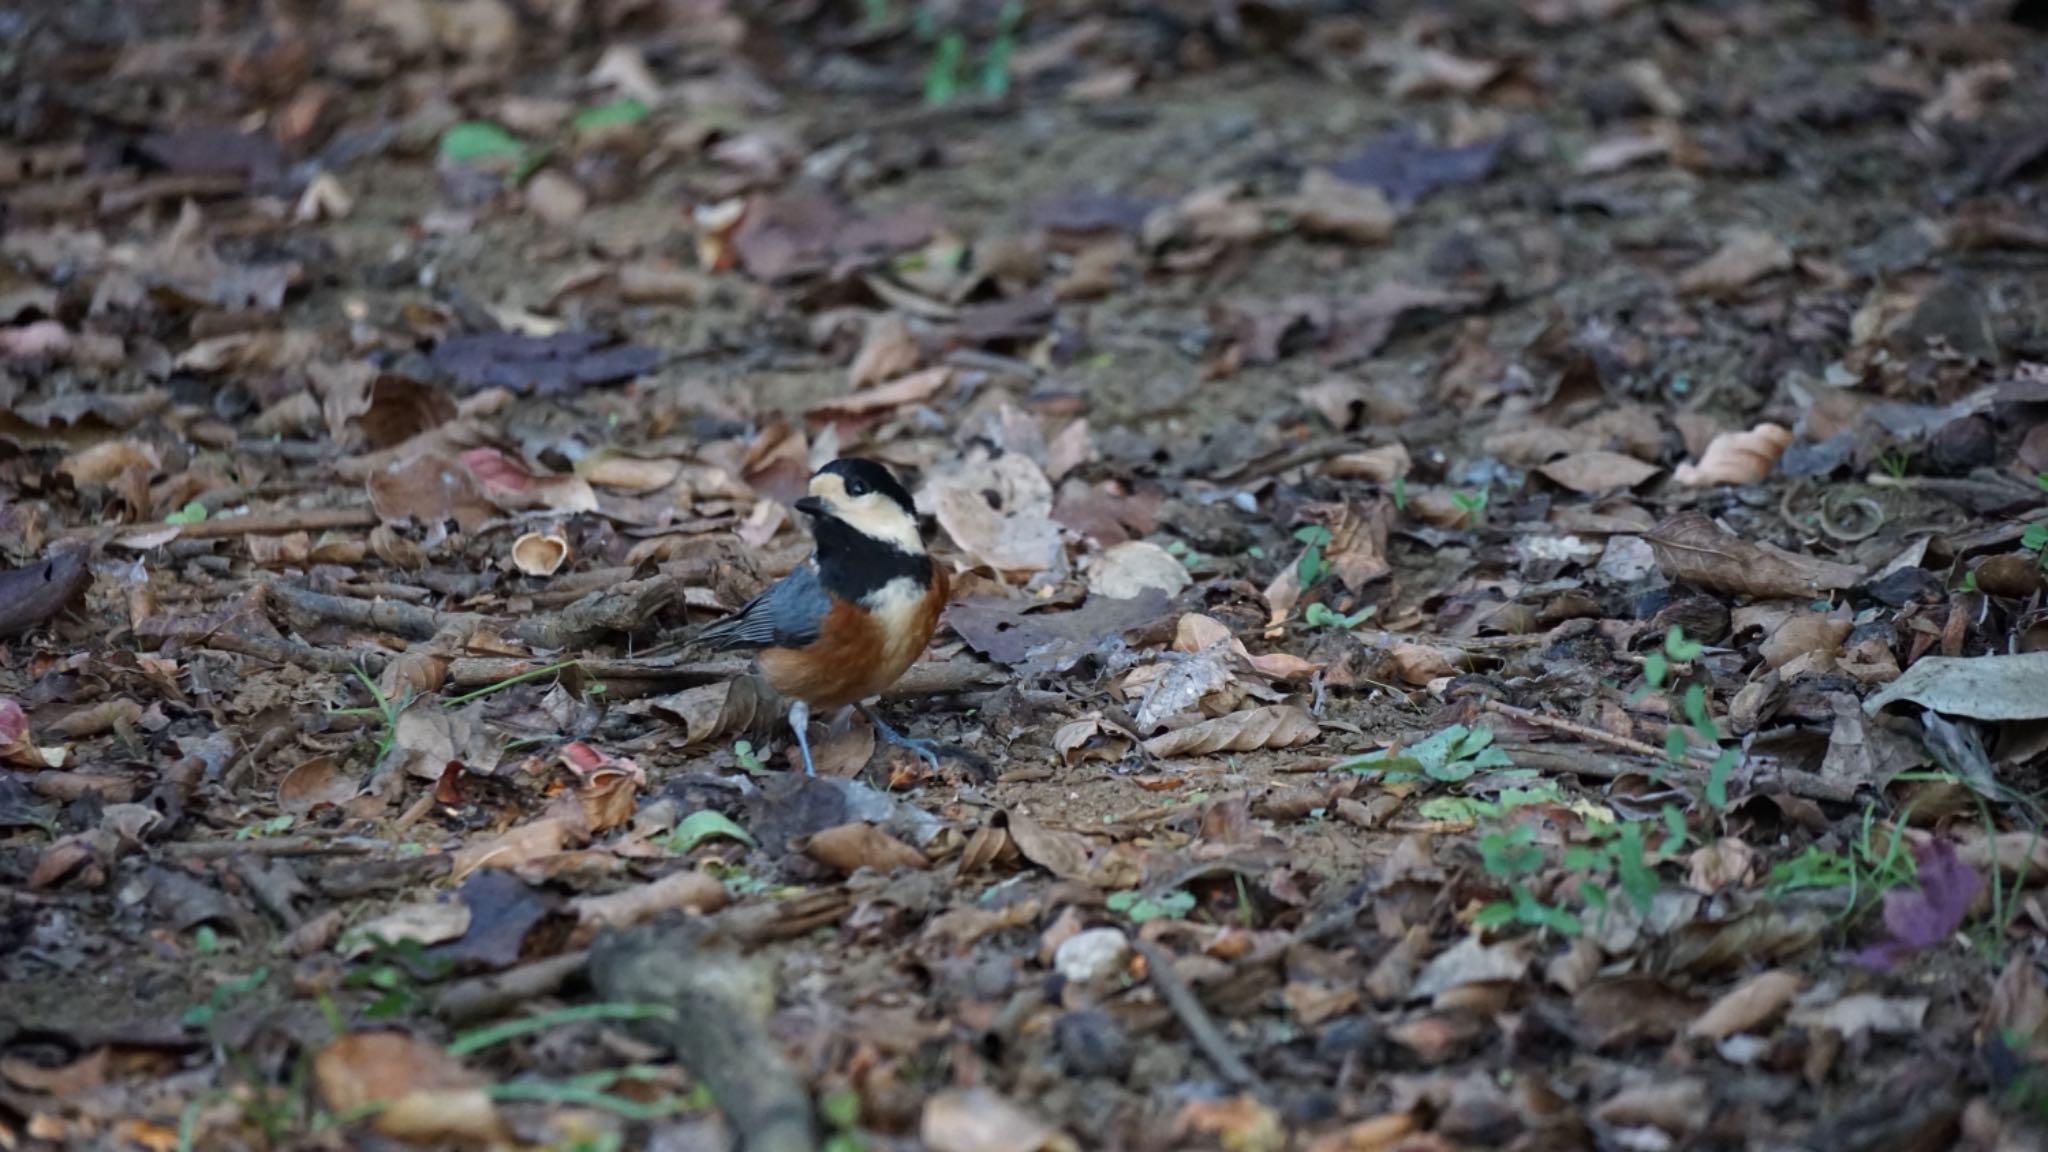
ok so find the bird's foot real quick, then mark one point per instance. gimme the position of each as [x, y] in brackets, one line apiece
[927, 750]
[800, 723]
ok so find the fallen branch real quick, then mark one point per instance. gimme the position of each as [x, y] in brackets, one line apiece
[1585, 732]
[1193, 1017]
[483, 997]
[407, 620]
[273, 846]
[277, 523]
[719, 1003]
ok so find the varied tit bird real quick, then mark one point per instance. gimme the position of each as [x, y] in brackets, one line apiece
[857, 614]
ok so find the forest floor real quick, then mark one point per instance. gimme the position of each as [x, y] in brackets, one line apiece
[1497, 547]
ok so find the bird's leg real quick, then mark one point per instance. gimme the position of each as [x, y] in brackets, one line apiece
[800, 723]
[927, 750]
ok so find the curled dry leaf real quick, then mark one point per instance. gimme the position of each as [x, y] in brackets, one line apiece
[1737, 457]
[513, 486]
[1016, 533]
[1066, 855]
[678, 891]
[887, 352]
[419, 923]
[710, 712]
[915, 388]
[1746, 255]
[415, 1091]
[1273, 726]
[630, 473]
[1329, 206]
[1753, 1002]
[1692, 547]
[848, 848]
[15, 745]
[979, 1120]
[1091, 739]
[539, 553]
[313, 783]
[1598, 471]
[108, 461]
[1127, 570]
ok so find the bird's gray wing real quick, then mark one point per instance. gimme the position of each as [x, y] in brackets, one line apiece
[787, 615]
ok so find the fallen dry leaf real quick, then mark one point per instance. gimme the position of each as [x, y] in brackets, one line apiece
[1750, 1004]
[849, 848]
[412, 1090]
[1737, 457]
[1746, 255]
[1273, 726]
[980, 1120]
[1691, 547]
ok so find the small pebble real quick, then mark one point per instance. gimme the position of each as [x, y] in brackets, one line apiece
[1094, 955]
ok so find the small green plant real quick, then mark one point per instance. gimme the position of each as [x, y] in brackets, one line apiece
[192, 513]
[1875, 861]
[743, 751]
[943, 74]
[1401, 492]
[1312, 566]
[1678, 648]
[1450, 756]
[1473, 505]
[1895, 464]
[840, 1110]
[616, 114]
[2041, 481]
[1320, 615]
[258, 829]
[2035, 540]
[385, 710]
[1969, 583]
[396, 970]
[1170, 905]
[699, 826]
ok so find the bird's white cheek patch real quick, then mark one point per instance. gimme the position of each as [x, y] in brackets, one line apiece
[896, 606]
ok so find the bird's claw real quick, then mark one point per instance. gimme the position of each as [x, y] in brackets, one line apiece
[926, 750]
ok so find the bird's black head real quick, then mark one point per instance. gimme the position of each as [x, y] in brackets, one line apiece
[863, 498]
[862, 476]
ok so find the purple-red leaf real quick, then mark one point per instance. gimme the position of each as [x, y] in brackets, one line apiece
[1924, 917]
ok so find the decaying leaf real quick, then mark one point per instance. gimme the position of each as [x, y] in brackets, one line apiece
[1274, 726]
[1746, 255]
[849, 848]
[1737, 457]
[1693, 548]
[412, 1090]
[1980, 687]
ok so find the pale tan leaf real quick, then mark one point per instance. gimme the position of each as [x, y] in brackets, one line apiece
[1273, 726]
[1598, 471]
[1737, 457]
[850, 847]
[1748, 1005]
[1746, 255]
[1692, 547]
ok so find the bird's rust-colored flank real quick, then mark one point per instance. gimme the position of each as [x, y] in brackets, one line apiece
[855, 656]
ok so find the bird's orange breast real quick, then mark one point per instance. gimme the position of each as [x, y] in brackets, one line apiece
[862, 648]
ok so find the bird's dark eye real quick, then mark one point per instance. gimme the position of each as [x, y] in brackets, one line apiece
[856, 488]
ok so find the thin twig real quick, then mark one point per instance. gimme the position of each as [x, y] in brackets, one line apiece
[1584, 732]
[275, 523]
[408, 620]
[1193, 1017]
[273, 846]
[483, 997]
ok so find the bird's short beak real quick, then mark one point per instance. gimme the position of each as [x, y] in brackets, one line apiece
[811, 506]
